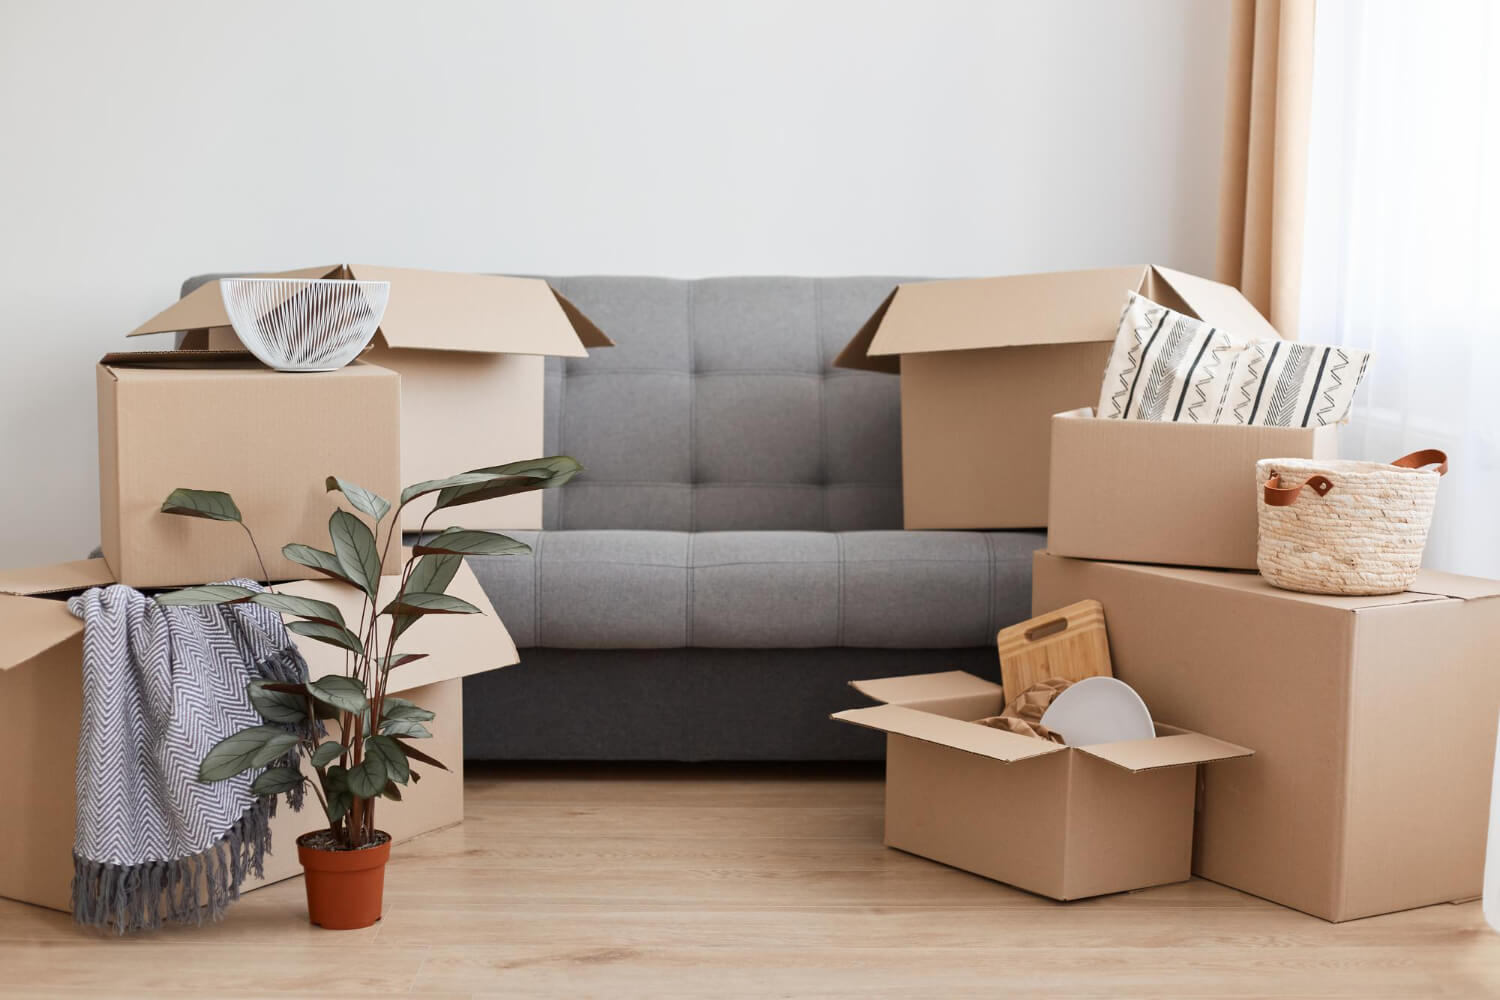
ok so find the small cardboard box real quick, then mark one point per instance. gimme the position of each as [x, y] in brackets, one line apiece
[986, 362]
[223, 421]
[1164, 492]
[1064, 822]
[469, 349]
[41, 649]
[1373, 720]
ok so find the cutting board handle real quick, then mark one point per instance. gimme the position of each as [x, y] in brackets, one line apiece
[1044, 629]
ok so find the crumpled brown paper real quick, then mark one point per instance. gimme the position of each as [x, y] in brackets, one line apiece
[1024, 715]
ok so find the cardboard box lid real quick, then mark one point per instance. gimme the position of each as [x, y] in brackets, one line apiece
[914, 688]
[996, 744]
[1172, 748]
[1429, 586]
[140, 366]
[1062, 307]
[431, 310]
[30, 623]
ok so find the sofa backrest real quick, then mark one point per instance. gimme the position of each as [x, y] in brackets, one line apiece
[719, 409]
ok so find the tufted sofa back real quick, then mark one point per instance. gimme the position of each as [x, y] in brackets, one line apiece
[719, 409]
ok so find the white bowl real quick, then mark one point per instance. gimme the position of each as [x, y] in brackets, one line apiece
[1098, 710]
[304, 324]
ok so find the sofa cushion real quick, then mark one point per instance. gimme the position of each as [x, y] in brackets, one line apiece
[615, 589]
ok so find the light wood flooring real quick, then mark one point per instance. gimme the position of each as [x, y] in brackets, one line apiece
[589, 881]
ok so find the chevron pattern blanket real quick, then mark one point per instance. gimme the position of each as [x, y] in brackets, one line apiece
[161, 686]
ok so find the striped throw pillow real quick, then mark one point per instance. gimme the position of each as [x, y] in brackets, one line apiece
[1168, 366]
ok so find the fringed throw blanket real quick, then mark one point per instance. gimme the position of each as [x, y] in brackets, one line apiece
[161, 686]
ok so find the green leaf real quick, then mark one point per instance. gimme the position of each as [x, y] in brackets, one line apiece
[275, 748]
[389, 751]
[432, 574]
[429, 604]
[433, 485]
[399, 659]
[213, 593]
[407, 728]
[470, 542]
[327, 752]
[400, 708]
[320, 710]
[391, 792]
[303, 607]
[364, 500]
[354, 544]
[331, 634]
[416, 754]
[277, 706]
[237, 753]
[340, 692]
[210, 504]
[336, 791]
[324, 562]
[275, 780]
[515, 477]
[368, 777]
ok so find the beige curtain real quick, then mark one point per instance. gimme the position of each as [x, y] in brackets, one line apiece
[1264, 182]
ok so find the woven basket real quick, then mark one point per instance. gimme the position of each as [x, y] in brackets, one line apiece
[1346, 527]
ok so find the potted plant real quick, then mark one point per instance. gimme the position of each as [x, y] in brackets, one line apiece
[366, 752]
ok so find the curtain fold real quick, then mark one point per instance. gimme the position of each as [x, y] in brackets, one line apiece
[1263, 187]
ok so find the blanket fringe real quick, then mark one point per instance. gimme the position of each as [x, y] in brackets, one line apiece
[190, 890]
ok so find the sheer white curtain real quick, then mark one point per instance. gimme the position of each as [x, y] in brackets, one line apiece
[1402, 246]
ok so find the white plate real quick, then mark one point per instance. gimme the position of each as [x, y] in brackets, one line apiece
[1099, 710]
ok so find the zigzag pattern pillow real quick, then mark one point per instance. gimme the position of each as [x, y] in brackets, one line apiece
[1168, 366]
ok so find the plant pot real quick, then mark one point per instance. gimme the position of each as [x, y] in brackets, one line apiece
[344, 887]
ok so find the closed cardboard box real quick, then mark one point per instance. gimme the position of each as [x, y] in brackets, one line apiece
[1373, 721]
[223, 421]
[470, 351]
[985, 363]
[1162, 491]
[41, 647]
[1064, 822]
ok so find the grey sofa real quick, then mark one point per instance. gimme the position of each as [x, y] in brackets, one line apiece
[732, 557]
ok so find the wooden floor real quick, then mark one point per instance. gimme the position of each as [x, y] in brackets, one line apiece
[713, 882]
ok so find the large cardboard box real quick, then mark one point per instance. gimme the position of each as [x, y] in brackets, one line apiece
[470, 350]
[1373, 721]
[41, 648]
[1064, 822]
[986, 362]
[1161, 491]
[223, 421]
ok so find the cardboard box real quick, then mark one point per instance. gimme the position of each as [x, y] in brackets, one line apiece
[223, 421]
[1065, 822]
[1164, 492]
[41, 646]
[1373, 720]
[469, 348]
[986, 362]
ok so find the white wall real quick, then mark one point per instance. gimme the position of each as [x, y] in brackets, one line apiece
[141, 142]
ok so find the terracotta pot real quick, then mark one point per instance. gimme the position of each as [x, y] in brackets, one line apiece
[344, 888]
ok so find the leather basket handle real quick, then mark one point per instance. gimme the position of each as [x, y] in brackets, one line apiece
[1278, 495]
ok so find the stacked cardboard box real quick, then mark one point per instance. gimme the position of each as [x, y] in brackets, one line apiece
[458, 387]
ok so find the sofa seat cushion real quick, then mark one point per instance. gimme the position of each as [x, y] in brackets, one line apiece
[620, 589]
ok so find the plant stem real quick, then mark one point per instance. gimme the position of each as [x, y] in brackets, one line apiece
[263, 574]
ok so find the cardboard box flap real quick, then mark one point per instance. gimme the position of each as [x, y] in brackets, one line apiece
[1063, 307]
[856, 353]
[914, 688]
[59, 578]
[1216, 304]
[30, 627]
[457, 645]
[995, 744]
[237, 360]
[1173, 750]
[1464, 588]
[430, 310]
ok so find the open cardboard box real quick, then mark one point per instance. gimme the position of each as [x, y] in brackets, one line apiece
[986, 362]
[1373, 720]
[470, 351]
[1064, 822]
[1163, 491]
[41, 649]
[223, 421]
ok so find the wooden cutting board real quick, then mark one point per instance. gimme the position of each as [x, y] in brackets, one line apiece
[1070, 642]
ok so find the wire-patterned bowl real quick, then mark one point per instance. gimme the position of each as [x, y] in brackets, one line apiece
[304, 324]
